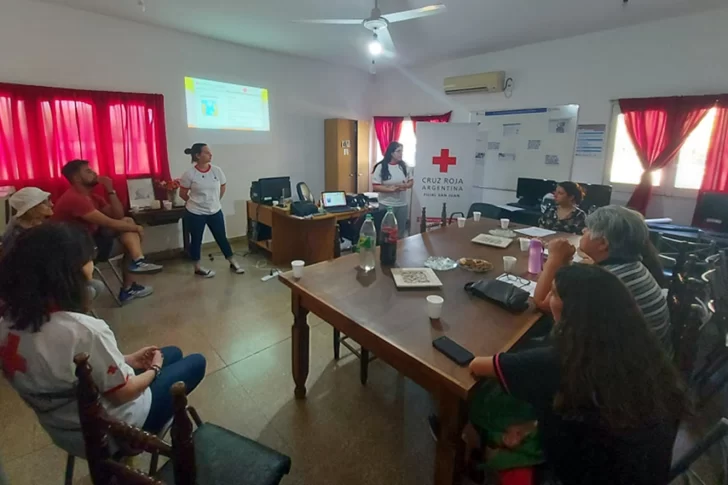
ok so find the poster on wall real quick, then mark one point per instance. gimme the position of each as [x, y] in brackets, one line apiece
[445, 167]
[590, 140]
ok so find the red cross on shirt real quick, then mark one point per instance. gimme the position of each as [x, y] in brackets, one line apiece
[444, 160]
[10, 359]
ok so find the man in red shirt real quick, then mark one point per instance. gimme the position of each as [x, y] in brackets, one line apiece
[106, 223]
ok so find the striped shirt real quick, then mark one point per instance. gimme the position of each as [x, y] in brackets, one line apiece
[648, 295]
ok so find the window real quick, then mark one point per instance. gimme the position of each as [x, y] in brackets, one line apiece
[685, 173]
[121, 135]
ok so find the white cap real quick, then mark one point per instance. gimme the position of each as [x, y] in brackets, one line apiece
[26, 198]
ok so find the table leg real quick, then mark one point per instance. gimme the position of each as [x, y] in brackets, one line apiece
[301, 345]
[450, 452]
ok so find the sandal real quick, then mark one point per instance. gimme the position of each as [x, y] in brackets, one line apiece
[236, 268]
[205, 273]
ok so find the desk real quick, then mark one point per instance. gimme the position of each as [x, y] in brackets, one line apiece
[393, 324]
[160, 217]
[288, 238]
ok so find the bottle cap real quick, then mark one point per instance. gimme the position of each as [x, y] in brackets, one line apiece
[369, 217]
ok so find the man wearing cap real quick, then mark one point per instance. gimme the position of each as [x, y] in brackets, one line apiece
[32, 207]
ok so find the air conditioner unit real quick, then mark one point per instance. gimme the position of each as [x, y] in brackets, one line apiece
[491, 82]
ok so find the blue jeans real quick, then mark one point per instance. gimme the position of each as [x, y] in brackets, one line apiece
[196, 225]
[190, 370]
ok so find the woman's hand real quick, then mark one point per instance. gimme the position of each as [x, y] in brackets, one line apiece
[514, 435]
[143, 358]
[157, 359]
[561, 252]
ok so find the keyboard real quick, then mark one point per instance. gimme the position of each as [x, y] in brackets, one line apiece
[337, 210]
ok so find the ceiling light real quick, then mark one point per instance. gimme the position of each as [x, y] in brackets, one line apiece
[375, 47]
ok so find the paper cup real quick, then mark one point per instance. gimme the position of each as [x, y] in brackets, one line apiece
[167, 204]
[509, 263]
[476, 216]
[504, 223]
[524, 242]
[434, 306]
[297, 266]
[461, 222]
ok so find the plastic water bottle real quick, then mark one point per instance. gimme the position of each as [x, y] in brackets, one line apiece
[388, 245]
[367, 244]
[535, 256]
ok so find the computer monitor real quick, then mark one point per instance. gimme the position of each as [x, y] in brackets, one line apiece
[274, 188]
[711, 212]
[333, 199]
[531, 191]
[596, 196]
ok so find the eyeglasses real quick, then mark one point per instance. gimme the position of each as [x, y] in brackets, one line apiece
[516, 281]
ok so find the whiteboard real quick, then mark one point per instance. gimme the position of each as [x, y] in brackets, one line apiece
[534, 142]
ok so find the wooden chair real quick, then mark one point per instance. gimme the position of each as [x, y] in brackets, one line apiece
[207, 455]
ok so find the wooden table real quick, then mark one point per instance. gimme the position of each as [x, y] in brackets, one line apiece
[393, 324]
[160, 217]
[288, 238]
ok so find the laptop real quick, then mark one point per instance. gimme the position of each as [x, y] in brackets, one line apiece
[335, 202]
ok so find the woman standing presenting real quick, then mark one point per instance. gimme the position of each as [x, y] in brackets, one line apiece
[391, 179]
[565, 216]
[202, 187]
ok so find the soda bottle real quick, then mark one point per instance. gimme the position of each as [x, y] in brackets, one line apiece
[388, 245]
[367, 244]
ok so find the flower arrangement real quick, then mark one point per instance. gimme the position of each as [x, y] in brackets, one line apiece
[168, 185]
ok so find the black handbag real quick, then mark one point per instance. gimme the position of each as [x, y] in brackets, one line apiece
[303, 208]
[504, 294]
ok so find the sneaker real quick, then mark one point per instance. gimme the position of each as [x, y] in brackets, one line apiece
[205, 273]
[141, 266]
[135, 291]
[236, 268]
[434, 424]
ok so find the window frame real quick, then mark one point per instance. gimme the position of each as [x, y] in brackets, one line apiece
[669, 174]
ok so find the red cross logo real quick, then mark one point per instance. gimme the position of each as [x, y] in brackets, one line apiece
[112, 370]
[444, 160]
[11, 360]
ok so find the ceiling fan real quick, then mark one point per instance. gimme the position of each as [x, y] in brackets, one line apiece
[382, 43]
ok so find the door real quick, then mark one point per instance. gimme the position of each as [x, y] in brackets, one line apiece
[362, 157]
[347, 156]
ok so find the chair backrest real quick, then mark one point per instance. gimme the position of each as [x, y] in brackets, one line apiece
[304, 193]
[714, 435]
[489, 211]
[98, 428]
[685, 319]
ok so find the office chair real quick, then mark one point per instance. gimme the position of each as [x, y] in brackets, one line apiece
[304, 193]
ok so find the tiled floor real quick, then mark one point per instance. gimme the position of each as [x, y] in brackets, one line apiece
[344, 433]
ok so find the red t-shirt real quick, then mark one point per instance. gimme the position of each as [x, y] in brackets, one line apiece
[73, 205]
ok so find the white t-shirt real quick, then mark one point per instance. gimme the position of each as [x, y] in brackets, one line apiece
[40, 368]
[392, 199]
[204, 189]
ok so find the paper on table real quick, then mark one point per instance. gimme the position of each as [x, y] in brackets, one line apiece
[535, 232]
[517, 281]
[508, 208]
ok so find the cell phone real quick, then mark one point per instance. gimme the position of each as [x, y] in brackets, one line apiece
[453, 351]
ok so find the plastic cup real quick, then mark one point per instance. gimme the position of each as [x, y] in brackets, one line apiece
[476, 216]
[167, 204]
[434, 306]
[504, 223]
[461, 222]
[297, 266]
[509, 263]
[524, 242]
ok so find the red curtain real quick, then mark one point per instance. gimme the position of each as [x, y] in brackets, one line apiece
[658, 127]
[443, 118]
[387, 129]
[122, 135]
[716, 161]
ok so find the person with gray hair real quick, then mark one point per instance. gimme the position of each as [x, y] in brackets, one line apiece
[617, 239]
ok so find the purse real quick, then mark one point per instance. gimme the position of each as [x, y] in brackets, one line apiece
[303, 208]
[504, 294]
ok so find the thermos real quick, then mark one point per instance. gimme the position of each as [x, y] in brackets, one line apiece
[535, 256]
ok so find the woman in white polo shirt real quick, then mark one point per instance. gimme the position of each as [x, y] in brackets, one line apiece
[391, 179]
[44, 325]
[202, 187]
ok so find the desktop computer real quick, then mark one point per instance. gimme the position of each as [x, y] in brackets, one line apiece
[266, 190]
[711, 212]
[530, 191]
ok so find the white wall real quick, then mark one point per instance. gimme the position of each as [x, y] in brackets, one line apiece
[680, 56]
[57, 46]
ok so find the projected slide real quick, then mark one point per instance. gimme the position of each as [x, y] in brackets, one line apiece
[223, 106]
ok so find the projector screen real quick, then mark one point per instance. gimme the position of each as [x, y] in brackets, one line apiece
[223, 106]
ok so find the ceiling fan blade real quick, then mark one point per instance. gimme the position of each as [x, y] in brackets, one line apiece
[331, 21]
[388, 49]
[415, 13]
